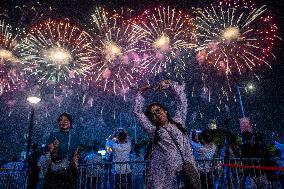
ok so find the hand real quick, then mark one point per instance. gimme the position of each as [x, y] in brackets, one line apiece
[56, 143]
[114, 134]
[115, 139]
[165, 84]
[145, 88]
[53, 147]
[76, 157]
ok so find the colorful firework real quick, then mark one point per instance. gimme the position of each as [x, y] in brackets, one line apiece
[235, 36]
[168, 33]
[56, 51]
[118, 65]
[124, 12]
[10, 76]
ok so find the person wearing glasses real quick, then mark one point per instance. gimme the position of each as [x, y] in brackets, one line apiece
[170, 146]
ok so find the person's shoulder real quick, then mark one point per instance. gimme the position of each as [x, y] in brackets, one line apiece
[195, 143]
[52, 136]
[74, 133]
[278, 143]
[54, 133]
[121, 146]
[126, 145]
[42, 157]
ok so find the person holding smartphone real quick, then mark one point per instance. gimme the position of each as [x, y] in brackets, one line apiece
[63, 146]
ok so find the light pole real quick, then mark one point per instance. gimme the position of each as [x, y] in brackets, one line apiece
[250, 87]
[33, 100]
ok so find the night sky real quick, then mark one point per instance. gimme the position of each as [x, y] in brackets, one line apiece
[96, 113]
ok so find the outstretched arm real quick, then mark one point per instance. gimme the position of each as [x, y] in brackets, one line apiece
[180, 96]
[279, 145]
[181, 99]
[144, 121]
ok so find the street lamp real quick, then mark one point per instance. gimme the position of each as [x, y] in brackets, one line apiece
[33, 100]
[249, 87]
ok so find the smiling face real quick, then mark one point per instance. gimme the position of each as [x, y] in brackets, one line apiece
[159, 116]
[64, 123]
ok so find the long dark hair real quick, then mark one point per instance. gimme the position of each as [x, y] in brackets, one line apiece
[148, 114]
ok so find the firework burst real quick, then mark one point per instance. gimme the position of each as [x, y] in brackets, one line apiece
[56, 51]
[234, 36]
[10, 76]
[168, 34]
[118, 65]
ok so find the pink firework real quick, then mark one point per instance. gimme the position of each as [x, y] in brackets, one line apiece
[11, 77]
[168, 39]
[236, 36]
[117, 67]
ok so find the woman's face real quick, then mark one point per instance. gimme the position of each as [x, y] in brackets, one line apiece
[64, 123]
[159, 115]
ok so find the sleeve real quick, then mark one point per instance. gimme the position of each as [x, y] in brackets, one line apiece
[144, 121]
[78, 142]
[190, 137]
[279, 146]
[40, 161]
[75, 141]
[50, 139]
[194, 145]
[181, 99]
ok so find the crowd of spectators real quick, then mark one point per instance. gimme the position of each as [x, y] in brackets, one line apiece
[126, 164]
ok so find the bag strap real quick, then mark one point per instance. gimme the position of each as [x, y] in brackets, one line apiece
[69, 141]
[154, 140]
[193, 182]
[177, 145]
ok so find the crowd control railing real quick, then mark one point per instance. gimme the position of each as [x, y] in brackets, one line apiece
[13, 179]
[237, 173]
[126, 175]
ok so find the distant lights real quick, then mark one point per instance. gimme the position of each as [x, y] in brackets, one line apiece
[33, 99]
[250, 86]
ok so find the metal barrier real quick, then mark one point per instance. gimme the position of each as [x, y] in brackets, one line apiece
[119, 175]
[13, 179]
[240, 174]
[214, 174]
